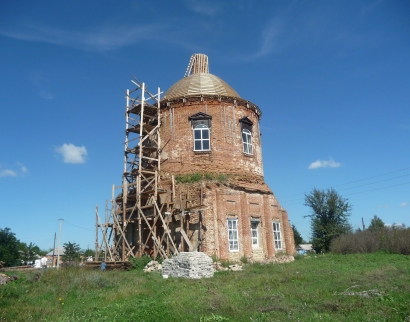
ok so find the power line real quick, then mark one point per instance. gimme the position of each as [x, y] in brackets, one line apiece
[374, 182]
[355, 193]
[343, 184]
[79, 226]
[380, 175]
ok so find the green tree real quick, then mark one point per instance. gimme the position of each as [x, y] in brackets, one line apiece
[329, 217]
[29, 253]
[9, 247]
[376, 223]
[89, 252]
[297, 236]
[71, 252]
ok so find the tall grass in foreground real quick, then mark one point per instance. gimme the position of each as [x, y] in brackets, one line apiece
[359, 287]
[390, 240]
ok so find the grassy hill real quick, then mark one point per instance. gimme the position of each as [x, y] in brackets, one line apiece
[363, 287]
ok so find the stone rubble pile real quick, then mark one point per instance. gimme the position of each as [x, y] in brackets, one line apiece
[4, 279]
[235, 267]
[193, 265]
[152, 266]
[219, 267]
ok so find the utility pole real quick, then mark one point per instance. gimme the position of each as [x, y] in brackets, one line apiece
[364, 227]
[54, 249]
[59, 239]
[96, 234]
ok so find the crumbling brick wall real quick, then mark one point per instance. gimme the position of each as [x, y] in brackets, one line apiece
[226, 155]
[244, 195]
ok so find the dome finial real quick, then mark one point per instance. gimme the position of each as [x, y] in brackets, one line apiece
[197, 64]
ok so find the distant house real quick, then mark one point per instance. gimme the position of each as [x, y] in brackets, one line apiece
[52, 261]
[303, 249]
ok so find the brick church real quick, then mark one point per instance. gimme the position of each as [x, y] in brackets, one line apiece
[211, 148]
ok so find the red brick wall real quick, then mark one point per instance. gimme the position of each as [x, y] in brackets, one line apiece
[226, 155]
[245, 196]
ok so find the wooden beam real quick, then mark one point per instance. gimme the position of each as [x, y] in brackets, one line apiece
[191, 248]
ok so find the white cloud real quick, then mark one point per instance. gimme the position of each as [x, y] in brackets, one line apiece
[204, 7]
[98, 39]
[324, 164]
[403, 204]
[13, 173]
[23, 169]
[72, 153]
[8, 173]
[270, 38]
[384, 206]
[41, 85]
[46, 95]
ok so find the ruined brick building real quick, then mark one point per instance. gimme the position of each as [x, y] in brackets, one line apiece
[194, 180]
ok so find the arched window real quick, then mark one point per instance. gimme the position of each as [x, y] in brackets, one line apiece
[201, 138]
[247, 141]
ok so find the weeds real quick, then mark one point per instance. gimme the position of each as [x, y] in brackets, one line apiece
[140, 262]
[215, 258]
[244, 260]
[359, 287]
[197, 177]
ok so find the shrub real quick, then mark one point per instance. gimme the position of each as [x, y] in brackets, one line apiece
[196, 177]
[390, 240]
[189, 178]
[140, 262]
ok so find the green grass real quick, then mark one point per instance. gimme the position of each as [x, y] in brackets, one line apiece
[309, 289]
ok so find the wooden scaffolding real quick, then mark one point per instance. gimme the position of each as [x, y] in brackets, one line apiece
[145, 218]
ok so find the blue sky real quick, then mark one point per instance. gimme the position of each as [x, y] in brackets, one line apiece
[332, 79]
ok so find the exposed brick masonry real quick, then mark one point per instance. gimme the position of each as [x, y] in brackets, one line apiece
[244, 196]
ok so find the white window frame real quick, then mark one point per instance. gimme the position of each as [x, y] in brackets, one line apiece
[247, 142]
[201, 128]
[277, 235]
[233, 235]
[255, 233]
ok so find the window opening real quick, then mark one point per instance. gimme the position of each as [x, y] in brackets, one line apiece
[277, 235]
[201, 138]
[246, 128]
[233, 235]
[254, 233]
[247, 141]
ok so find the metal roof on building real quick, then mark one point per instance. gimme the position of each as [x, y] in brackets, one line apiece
[201, 83]
[57, 251]
[198, 81]
[307, 247]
